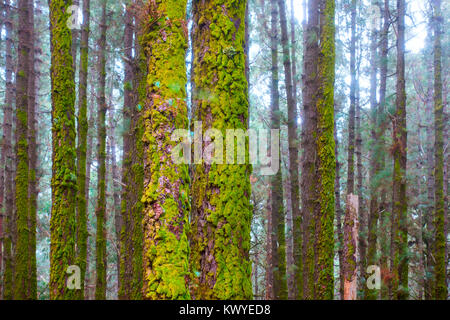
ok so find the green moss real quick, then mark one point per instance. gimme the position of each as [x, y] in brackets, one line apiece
[324, 285]
[62, 223]
[165, 198]
[221, 213]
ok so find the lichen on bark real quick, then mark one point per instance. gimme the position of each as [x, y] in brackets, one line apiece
[165, 199]
[221, 211]
[62, 222]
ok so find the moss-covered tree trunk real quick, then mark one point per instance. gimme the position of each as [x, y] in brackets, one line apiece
[131, 239]
[62, 222]
[439, 216]
[319, 163]
[278, 241]
[32, 153]
[100, 210]
[400, 207]
[221, 211]
[82, 131]
[21, 257]
[6, 182]
[381, 146]
[166, 192]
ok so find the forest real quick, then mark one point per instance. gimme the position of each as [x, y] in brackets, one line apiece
[224, 150]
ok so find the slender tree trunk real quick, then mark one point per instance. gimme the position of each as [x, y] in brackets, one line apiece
[6, 181]
[399, 151]
[289, 67]
[22, 258]
[382, 120]
[351, 115]
[375, 155]
[350, 247]
[277, 208]
[318, 169]
[132, 172]
[439, 216]
[115, 185]
[82, 130]
[362, 220]
[221, 211]
[338, 210]
[62, 222]
[100, 211]
[33, 156]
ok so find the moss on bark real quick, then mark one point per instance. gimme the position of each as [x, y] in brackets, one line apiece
[62, 222]
[221, 213]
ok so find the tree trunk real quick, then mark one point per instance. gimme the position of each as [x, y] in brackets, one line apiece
[132, 172]
[276, 184]
[399, 151]
[166, 180]
[62, 222]
[375, 155]
[350, 247]
[289, 68]
[33, 155]
[318, 169]
[221, 211]
[382, 120]
[6, 181]
[100, 211]
[22, 258]
[439, 216]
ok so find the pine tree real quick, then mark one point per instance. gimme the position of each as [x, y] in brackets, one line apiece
[319, 165]
[100, 210]
[439, 218]
[22, 258]
[131, 242]
[278, 241]
[6, 181]
[221, 211]
[82, 132]
[166, 192]
[399, 151]
[62, 223]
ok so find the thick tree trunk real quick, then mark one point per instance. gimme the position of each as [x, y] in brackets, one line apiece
[62, 222]
[166, 179]
[100, 211]
[221, 211]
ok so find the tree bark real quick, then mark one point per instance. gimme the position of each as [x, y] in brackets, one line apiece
[100, 211]
[400, 158]
[278, 240]
[221, 211]
[6, 180]
[440, 265]
[62, 222]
